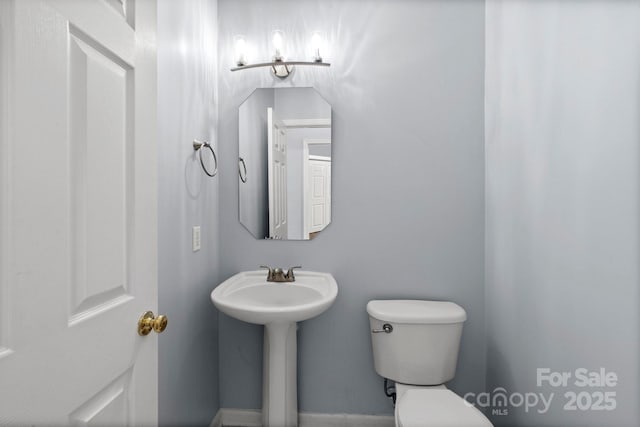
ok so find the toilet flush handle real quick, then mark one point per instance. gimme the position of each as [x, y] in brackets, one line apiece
[386, 328]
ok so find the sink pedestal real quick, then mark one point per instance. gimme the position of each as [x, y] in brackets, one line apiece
[249, 297]
[279, 388]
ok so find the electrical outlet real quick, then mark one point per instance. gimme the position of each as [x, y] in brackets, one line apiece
[195, 238]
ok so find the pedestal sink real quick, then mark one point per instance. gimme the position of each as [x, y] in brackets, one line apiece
[249, 297]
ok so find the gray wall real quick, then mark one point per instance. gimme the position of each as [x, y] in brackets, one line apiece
[562, 196]
[407, 91]
[187, 95]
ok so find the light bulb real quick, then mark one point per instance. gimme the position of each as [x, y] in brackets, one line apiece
[278, 43]
[316, 44]
[241, 51]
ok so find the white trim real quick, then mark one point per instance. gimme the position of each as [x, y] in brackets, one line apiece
[319, 158]
[227, 417]
[307, 123]
[345, 420]
[270, 190]
[217, 420]
[6, 122]
[237, 417]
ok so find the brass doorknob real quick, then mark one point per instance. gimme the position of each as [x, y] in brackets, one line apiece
[149, 321]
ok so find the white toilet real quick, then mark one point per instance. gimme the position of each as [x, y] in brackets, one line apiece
[415, 344]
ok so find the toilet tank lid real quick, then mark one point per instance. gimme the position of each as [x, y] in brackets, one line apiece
[416, 311]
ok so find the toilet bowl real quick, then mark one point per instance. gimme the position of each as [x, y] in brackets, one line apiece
[435, 407]
[415, 343]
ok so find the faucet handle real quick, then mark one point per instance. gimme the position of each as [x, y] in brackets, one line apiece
[289, 275]
[269, 273]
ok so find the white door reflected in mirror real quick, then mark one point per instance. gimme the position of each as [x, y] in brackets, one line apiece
[317, 181]
[285, 174]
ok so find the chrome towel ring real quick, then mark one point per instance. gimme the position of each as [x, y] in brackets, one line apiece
[244, 166]
[198, 146]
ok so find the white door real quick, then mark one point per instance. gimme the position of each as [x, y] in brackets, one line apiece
[78, 210]
[318, 193]
[277, 171]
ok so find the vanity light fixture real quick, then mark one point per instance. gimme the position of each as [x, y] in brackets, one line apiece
[280, 66]
[316, 44]
[241, 51]
[278, 45]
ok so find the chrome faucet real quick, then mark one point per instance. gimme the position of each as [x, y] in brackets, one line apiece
[278, 275]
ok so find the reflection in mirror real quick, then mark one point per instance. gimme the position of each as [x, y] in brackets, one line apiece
[284, 164]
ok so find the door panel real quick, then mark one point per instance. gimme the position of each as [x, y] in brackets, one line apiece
[100, 180]
[109, 407]
[319, 181]
[277, 171]
[78, 212]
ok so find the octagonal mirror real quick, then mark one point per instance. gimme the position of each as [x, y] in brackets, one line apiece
[284, 165]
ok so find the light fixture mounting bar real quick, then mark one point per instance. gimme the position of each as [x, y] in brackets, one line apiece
[280, 63]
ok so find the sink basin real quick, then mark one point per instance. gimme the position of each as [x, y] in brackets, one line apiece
[248, 296]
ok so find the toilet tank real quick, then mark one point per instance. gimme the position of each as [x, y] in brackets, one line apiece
[422, 348]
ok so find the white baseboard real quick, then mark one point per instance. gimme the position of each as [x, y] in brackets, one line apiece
[227, 417]
[345, 420]
[217, 420]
